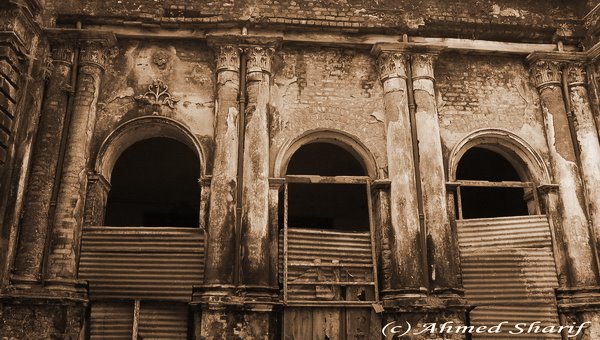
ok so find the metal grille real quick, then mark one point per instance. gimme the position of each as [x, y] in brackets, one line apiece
[142, 263]
[329, 266]
[112, 321]
[509, 272]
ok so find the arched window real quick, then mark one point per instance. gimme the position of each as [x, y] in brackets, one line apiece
[341, 206]
[327, 236]
[491, 186]
[155, 183]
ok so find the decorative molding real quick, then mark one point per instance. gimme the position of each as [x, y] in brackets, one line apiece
[259, 58]
[161, 59]
[545, 73]
[227, 58]
[157, 95]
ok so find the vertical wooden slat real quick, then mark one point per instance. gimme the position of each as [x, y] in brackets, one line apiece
[373, 250]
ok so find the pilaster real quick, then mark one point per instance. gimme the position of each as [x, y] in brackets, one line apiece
[405, 270]
[38, 198]
[61, 271]
[571, 217]
[221, 231]
[443, 270]
[255, 231]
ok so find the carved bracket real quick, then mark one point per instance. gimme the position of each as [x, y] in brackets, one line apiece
[157, 95]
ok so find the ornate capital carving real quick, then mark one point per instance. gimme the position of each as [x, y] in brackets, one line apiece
[62, 54]
[391, 65]
[227, 58]
[259, 58]
[92, 54]
[576, 74]
[422, 65]
[545, 73]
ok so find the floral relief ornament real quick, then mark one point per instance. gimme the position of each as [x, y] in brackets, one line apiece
[158, 94]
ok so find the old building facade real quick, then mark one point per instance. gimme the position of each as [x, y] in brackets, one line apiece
[240, 169]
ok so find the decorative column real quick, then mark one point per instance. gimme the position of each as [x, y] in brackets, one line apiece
[547, 78]
[66, 231]
[442, 250]
[204, 183]
[405, 267]
[587, 138]
[255, 260]
[34, 225]
[570, 218]
[275, 186]
[95, 203]
[221, 232]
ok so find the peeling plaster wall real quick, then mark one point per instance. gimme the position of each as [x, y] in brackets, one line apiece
[187, 70]
[476, 92]
[328, 89]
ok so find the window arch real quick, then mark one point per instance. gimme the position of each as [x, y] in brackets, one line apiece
[154, 183]
[479, 165]
[139, 153]
[496, 174]
[331, 205]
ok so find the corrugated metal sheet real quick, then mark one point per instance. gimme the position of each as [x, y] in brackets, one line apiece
[112, 321]
[142, 263]
[320, 260]
[509, 272]
[163, 321]
[513, 232]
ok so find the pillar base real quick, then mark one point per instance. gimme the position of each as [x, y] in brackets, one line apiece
[580, 305]
[30, 316]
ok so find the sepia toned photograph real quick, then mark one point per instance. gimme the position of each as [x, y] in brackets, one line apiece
[299, 169]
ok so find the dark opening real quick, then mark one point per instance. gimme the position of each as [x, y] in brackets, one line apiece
[326, 206]
[155, 183]
[479, 202]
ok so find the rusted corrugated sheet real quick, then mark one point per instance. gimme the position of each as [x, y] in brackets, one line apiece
[316, 256]
[509, 272]
[142, 263]
[163, 321]
[513, 232]
[112, 321]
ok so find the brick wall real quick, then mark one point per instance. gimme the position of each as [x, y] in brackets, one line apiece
[476, 92]
[327, 88]
[440, 17]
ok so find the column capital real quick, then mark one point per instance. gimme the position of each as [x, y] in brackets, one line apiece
[576, 74]
[422, 65]
[227, 57]
[259, 58]
[545, 73]
[62, 54]
[391, 64]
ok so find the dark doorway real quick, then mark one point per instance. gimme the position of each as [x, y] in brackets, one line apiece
[338, 206]
[480, 164]
[155, 183]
